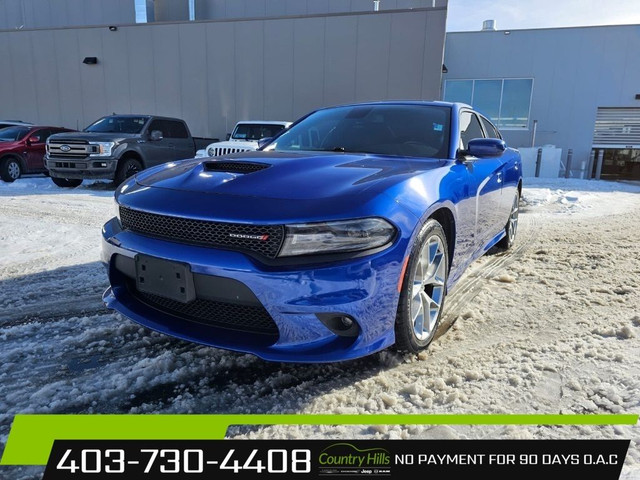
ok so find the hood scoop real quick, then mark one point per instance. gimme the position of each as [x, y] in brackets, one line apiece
[234, 167]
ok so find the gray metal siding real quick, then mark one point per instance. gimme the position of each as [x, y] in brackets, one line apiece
[575, 71]
[28, 14]
[175, 10]
[214, 74]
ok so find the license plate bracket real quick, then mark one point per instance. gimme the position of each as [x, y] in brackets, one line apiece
[164, 278]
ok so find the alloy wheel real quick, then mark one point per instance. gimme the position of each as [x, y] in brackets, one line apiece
[513, 219]
[428, 287]
[13, 169]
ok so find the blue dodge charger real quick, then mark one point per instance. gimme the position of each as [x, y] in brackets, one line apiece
[339, 238]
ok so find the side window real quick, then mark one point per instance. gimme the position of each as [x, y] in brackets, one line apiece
[177, 130]
[469, 129]
[41, 135]
[159, 125]
[492, 132]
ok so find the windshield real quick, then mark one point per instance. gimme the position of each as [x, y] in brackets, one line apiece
[403, 130]
[13, 134]
[255, 131]
[118, 125]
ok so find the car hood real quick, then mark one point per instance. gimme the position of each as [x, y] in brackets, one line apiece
[287, 176]
[92, 137]
[249, 145]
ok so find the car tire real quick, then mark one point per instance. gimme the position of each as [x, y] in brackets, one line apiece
[423, 288]
[511, 228]
[10, 169]
[67, 182]
[127, 167]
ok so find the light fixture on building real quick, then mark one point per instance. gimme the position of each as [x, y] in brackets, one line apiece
[113, 28]
[507, 32]
[444, 68]
[90, 60]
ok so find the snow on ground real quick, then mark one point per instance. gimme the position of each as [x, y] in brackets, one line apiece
[552, 327]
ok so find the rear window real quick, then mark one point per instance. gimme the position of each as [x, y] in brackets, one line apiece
[255, 131]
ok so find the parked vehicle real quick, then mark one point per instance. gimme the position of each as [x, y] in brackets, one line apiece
[14, 123]
[22, 150]
[338, 239]
[245, 137]
[118, 146]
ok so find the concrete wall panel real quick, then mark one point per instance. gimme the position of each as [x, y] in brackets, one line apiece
[213, 74]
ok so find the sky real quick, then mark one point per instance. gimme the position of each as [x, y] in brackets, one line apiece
[468, 15]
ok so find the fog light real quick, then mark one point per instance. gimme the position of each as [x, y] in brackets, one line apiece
[339, 324]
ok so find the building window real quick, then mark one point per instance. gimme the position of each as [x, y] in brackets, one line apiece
[506, 102]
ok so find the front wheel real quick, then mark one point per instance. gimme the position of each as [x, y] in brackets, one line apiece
[424, 287]
[127, 168]
[511, 228]
[67, 182]
[10, 170]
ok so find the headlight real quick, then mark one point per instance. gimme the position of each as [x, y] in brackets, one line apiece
[342, 236]
[101, 149]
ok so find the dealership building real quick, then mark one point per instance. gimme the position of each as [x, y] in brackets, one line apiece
[214, 62]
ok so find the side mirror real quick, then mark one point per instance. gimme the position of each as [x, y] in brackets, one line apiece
[155, 136]
[33, 139]
[486, 147]
[228, 136]
[263, 142]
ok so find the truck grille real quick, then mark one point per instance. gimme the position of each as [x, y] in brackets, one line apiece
[68, 149]
[217, 151]
[246, 318]
[264, 240]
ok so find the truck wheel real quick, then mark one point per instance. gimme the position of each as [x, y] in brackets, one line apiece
[127, 168]
[10, 170]
[66, 182]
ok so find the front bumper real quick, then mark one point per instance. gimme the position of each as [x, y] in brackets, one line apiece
[79, 168]
[363, 289]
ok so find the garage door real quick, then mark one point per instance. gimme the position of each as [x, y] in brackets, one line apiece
[617, 128]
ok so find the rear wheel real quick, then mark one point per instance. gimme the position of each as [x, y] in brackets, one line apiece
[66, 182]
[511, 228]
[127, 168]
[10, 169]
[424, 287]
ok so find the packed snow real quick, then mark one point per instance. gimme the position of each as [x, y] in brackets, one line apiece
[551, 327]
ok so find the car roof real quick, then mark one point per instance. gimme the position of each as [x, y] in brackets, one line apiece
[17, 123]
[436, 103]
[266, 122]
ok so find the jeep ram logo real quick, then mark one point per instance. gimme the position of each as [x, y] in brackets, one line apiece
[263, 238]
[65, 148]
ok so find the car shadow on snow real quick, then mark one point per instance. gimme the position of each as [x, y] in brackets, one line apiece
[43, 185]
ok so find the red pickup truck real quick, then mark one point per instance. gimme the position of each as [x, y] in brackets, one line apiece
[22, 150]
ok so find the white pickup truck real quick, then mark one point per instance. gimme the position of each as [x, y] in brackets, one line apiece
[244, 137]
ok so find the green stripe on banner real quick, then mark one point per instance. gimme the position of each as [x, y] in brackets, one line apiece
[32, 436]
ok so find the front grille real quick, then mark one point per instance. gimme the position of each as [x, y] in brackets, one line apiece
[245, 318]
[235, 167]
[264, 240]
[217, 151]
[76, 149]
